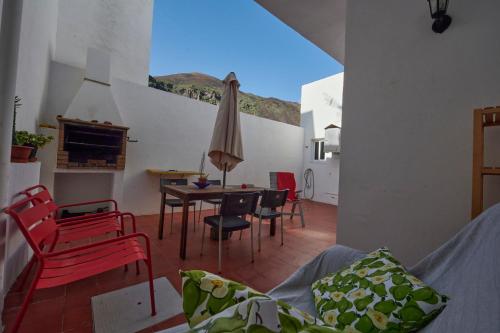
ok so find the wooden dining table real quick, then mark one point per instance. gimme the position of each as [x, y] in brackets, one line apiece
[189, 193]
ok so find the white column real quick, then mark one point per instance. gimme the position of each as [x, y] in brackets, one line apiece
[10, 31]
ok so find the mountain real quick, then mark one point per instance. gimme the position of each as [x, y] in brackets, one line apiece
[209, 89]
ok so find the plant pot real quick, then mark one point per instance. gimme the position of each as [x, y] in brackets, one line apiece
[20, 154]
[34, 150]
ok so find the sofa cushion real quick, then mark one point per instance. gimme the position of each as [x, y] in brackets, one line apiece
[376, 294]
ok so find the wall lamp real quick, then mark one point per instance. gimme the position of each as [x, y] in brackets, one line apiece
[438, 12]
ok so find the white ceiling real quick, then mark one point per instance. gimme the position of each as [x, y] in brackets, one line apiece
[320, 21]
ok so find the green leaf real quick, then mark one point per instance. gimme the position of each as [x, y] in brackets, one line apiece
[347, 318]
[422, 294]
[194, 275]
[364, 283]
[376, 264]
[289, 323]
[400, 292]
[190, 297]
[398, 279]
[362, 303]
[364, 324]
[385, 307]
[258, 329]
[343, 305]
[216, 305]
[379, 289]
[411, 313]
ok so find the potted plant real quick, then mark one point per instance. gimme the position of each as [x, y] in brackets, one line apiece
[19, 152]
[35, 141]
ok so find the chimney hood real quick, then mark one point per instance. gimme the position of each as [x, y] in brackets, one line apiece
[94, 100]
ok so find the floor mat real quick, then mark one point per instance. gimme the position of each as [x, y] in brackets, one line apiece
[128, 309]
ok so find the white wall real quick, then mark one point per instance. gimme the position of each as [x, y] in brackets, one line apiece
[36, 49]
[321, 105]
[121, 27]
[405, 178]
[173, 131]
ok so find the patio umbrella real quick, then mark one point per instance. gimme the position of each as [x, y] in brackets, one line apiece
[226, 149]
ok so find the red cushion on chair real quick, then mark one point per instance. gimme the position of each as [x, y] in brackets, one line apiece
[286, 181]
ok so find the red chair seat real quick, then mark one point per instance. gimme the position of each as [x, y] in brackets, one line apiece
[64, 268]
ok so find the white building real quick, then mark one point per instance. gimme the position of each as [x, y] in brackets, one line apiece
[321, 106]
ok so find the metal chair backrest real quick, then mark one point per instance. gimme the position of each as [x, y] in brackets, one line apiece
[35, 222]
[273, 180]
[167, 181]
[273, 198]
[40, 194]
[237, 204]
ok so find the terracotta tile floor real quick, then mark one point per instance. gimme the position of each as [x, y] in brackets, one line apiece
[67, 308]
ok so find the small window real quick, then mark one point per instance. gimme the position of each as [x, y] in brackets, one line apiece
[319, 150]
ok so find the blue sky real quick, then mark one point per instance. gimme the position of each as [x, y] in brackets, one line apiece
[219, 36]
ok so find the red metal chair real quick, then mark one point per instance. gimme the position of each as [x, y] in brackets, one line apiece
[62, 267]
[76, 228]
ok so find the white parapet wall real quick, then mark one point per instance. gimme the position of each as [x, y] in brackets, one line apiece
[173, 132]
[14, 251]
[321, 105]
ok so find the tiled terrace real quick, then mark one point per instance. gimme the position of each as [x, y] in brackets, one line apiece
[67, 308]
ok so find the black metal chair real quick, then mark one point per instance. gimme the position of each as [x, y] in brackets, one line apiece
[215, 202]
[267, 210]
[175, 202]
[233, 206]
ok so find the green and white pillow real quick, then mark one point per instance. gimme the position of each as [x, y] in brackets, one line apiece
[214, 304]
[376, 294]
[205, 294]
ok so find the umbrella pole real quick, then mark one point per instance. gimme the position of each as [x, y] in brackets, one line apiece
[224, 176]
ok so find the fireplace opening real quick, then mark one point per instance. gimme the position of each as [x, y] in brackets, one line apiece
[83, 143]
[91, 145]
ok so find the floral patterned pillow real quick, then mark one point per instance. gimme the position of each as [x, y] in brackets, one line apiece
[257, 315]
[205, 294]
[376, 294]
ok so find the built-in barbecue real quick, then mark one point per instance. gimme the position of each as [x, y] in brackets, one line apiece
[88, 144]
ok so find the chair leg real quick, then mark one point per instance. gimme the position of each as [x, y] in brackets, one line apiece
[241, 233]
[220, 246]
[301, 210]
[202, 239]
[251, 236]
[199, 212]
[151, 284]
[282, 227]
[194, 218]
[171, 220]
[260, 227]
[26, 302]
[293, 211]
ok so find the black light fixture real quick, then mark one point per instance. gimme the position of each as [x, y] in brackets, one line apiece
[438, 12]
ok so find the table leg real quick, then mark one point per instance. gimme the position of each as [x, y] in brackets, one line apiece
[162, 215]
[185, 215]
[272, 227]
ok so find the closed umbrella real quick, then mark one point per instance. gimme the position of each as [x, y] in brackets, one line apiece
[226, 149]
